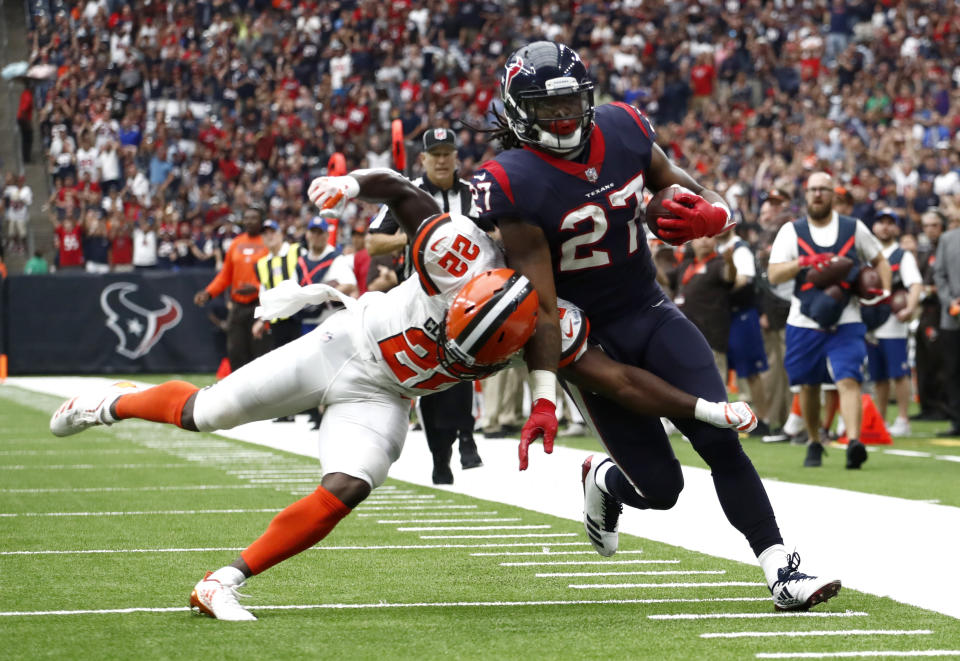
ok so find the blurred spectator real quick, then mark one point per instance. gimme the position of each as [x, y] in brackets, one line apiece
[69, 238]
[238, 276]
[144, 244]
[121, 245]
[946, 275]
[825, 334]
[16, 217]
[96, 245]
[887, 351]
[703, 282]
[36, 265]
[25, 122]
[929, 356]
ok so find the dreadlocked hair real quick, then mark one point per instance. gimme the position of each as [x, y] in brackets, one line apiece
[499, 132]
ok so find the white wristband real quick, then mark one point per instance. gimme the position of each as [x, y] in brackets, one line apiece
[543, 385]
[707, 411]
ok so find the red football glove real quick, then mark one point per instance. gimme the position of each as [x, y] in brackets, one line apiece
[695, 218]
[875, 297]
[817, 262]
[542, 422]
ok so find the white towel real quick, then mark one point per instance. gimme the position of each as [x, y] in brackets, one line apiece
[288, 298]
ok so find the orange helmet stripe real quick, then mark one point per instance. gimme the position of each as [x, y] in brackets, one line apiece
[419, 247]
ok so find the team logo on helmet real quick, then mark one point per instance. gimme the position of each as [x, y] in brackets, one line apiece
[137, 328]
[514, 67]
[490, 319]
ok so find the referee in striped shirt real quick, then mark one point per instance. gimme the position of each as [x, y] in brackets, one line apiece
[447, 415]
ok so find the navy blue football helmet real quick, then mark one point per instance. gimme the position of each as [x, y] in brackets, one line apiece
[547, 97]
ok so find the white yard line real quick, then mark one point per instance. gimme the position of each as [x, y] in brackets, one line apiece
[439, 528]
[803, 634]
[587, 574]
[752, 616]
[10, 515]
[429, 513]
[630, 586]
[493, 520]
[547, 551]
[80, 467]
[849, 655]
[536, 535]
[192, 487]
[402, 508]
[817, 521]
[394, 547]
[426, 604]
[583, 562]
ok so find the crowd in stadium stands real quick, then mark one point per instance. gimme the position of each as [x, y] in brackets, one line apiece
[165, 119]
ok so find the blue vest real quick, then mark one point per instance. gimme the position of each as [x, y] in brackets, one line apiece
[816, 303]
[874, 316]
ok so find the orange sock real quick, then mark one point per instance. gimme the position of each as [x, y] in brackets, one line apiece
[163, 403]
[795, 406]
[296, 528]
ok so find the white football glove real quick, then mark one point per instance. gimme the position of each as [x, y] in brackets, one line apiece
[331, 194]
[727, 415]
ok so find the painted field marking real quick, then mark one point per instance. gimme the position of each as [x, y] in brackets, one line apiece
[430, 513]
[441, 604]
[439, 528]
[194, 487]
[948, 457]
[400, 508]
[493, 520]
[35, 453]
[678, 572]
[907, 453]
[79, 467]
[621, 586]
[848, 655]
[411, 496]
[537, 535]
[547, 551]
[393, 547]
[583, 562]
[749, 616]
[284, 480]
[796, 634]
[9, 515]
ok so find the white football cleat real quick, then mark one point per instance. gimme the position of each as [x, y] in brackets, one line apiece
[795, 591]
[219, 601]
[88, 409]
[601, 512]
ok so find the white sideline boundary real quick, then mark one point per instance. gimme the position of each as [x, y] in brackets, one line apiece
[877, 544]
[426, 604]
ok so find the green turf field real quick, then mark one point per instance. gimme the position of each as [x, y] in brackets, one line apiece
[105, 533]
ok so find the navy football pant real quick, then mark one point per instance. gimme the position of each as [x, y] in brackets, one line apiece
[662, 340]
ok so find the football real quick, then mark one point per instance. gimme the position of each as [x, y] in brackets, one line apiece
[656, 210]
[898, 300]
[868, 279]
[835, 271]
[834, 292]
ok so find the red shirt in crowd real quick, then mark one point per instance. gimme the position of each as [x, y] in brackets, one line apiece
[903, 107]
[25, 109]
[809, 68]
[121, 250]
[70, 245]
[701, 80]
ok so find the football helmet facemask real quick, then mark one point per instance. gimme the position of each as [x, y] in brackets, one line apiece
[547, 97]
[490, 319]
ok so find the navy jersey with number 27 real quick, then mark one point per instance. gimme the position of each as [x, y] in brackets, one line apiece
[588, 211]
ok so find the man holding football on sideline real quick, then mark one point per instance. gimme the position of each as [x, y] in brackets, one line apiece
[565, 193]
[461, 318]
